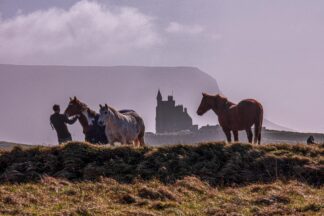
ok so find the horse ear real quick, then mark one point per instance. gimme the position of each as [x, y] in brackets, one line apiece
[75, 98]
[70, 99]
[106, 105]
[100, 106]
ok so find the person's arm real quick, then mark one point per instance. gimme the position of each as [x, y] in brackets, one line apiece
[51, 124]
[70, 121]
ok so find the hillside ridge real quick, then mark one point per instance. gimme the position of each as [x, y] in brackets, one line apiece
[213, 163]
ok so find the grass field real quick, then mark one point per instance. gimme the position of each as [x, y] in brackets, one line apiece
[205, 179]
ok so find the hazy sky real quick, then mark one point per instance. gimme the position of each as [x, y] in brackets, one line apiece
[269, 50]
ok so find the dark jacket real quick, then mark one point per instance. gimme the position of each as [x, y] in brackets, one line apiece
[58, 121]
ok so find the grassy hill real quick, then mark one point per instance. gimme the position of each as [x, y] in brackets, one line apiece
[205, 179]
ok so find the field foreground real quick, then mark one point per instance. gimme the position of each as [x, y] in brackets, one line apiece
[205, 179]
[189, 196]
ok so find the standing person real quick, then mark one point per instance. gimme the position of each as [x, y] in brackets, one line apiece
[58, 122]
[310, 140]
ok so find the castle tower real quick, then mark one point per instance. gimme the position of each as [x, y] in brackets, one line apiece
[158, 117]
[171, 117]
[159, 96]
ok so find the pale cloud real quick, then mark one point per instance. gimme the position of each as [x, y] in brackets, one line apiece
[86, 31]
[215, 36]
[175, 27]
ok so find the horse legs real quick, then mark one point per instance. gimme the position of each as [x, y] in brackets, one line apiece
[131, 142]
[257, 133]
[249, 134]
[111, 140]
[258, 127]
[140, 139]
[140, 136]
[136, 143]
[235, 133]
[228, 135]
[123, 140]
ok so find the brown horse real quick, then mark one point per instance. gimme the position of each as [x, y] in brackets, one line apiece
[235, 117]
[88, 120]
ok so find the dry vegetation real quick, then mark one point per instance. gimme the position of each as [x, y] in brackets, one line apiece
[189, 196]
[205, 179]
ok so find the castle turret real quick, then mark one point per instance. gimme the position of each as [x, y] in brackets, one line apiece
[158, 117]
[159, 96]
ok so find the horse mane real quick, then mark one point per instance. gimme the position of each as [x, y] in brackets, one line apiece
[92, 112]
[85, 107]
[228, 103]
[117, 113]
[114, 110]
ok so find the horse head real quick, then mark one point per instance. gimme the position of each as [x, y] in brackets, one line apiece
[103, 114]
[75, 107]
[215, 102]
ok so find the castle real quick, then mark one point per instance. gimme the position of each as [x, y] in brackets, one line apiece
[172, 118]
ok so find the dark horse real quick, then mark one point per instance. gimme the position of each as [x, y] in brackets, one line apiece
[94, 133]
[235, 117]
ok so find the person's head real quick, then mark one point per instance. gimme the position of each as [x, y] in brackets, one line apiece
[56, 108]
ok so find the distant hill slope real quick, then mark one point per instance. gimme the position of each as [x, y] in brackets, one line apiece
[28, 93]
[273, 126]
[7, 146]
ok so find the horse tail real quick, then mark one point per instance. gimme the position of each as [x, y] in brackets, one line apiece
[141, 134]
[140, 125]
[260, 130]
[258, 125]
[142, 131]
